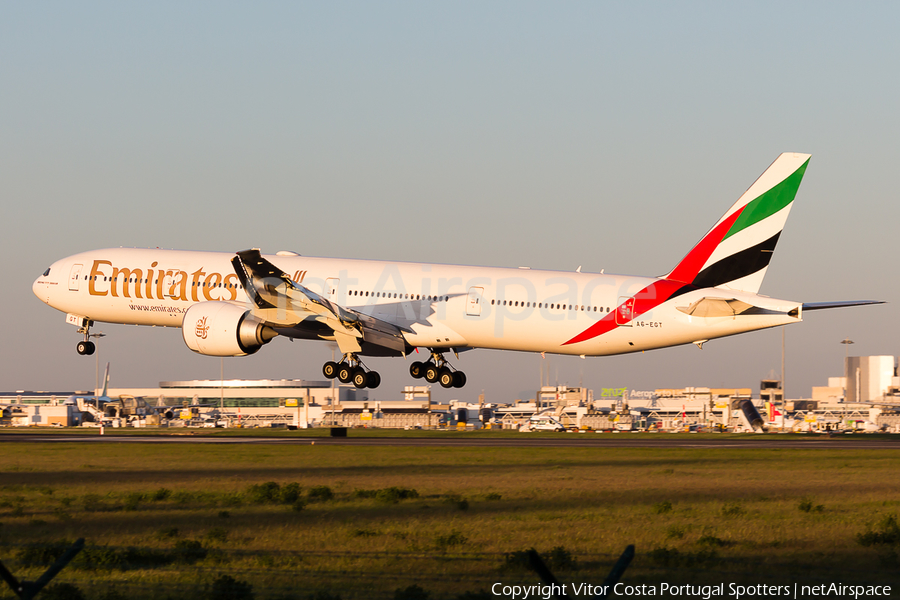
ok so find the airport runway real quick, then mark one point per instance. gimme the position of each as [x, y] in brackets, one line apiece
[563, 441]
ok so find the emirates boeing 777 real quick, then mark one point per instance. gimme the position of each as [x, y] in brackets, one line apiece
[232, 304]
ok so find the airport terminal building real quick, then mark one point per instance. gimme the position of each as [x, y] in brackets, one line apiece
[872, 399]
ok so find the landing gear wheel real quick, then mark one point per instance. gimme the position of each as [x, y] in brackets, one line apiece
[344, 373]
[373, 379]
[359, 377]
[432, 372]
[417, 370]
[85, 348]
[330, 370]
[459, 379]
[446, 378]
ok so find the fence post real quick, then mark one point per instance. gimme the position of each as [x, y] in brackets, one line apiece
[544, 573]
[26, 590]
[537, 563]
[618, 570]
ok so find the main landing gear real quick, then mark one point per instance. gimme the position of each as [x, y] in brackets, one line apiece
[351, 369]
[86, 347]
[437, 369]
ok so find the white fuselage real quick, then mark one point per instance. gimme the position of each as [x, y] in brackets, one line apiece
[437, 306]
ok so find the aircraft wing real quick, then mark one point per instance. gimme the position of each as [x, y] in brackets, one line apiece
[282, 302]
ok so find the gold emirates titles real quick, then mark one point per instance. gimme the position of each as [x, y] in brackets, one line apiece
[169, 284]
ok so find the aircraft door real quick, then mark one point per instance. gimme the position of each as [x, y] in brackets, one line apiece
[331, 288]
[75, 277]
[625, 311]
[473, 303]
[168, 286]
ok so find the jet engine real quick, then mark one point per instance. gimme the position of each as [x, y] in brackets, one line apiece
[223, 329]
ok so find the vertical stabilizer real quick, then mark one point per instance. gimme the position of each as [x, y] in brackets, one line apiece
[735, 253]
[103, 394]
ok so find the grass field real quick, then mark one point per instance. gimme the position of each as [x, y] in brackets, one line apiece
[326, 521]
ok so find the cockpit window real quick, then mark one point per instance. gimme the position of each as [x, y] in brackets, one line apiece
[47, 272]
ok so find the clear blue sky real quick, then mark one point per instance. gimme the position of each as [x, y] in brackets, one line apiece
[608, 135]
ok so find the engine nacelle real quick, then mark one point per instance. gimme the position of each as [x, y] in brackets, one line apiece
[223, 329]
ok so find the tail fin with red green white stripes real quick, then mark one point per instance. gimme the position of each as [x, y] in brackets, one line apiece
[735, 253]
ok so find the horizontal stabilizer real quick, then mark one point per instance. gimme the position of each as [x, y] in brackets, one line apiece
[715, 307]
[824, 305]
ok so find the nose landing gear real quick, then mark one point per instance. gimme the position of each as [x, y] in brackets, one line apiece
[86, 347]
[437, 369]
[351, 369]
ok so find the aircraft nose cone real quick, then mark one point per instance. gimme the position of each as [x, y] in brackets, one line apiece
[41, 289]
